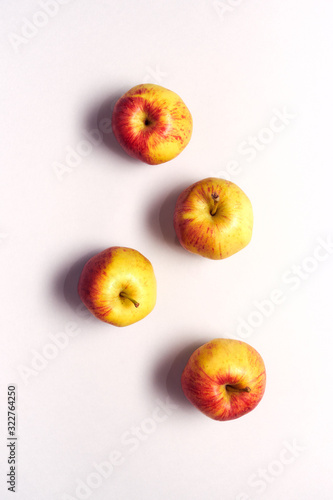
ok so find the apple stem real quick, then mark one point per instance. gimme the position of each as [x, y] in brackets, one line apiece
[124, 294]
[232, 388]
[216, 199]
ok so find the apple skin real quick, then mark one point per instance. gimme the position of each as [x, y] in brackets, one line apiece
[114, 271]
[152, 123]
[224, 379]
[213, 236]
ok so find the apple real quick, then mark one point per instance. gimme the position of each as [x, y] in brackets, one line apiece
[224, 379]
[118, 286]
[152, 123]
[213, 218]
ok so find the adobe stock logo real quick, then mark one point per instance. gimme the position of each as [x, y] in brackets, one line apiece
[256, 143]
[30, 27]
[223, 7]
[264, 476]
[130, 441]
[154, 75]
[253, 145]
[41, 359]
[292, 279]
[83, 148]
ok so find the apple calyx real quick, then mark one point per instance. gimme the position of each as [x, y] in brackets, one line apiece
[216, 199]
[124, 294]
[147, 120]
[232, 388]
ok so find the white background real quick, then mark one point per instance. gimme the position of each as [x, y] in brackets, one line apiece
[234, 63]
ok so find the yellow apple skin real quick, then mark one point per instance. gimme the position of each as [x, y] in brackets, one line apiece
[116, 271]
[224, 379]
[152, 123]
[219, 235]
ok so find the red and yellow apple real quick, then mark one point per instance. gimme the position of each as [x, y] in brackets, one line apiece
[213, 218]
[152, 123]
[224, 379]
[118, 286]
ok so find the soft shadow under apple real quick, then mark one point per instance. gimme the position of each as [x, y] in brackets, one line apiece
[67, 279]
[168, 372]
[160, 217]
[99, 118]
